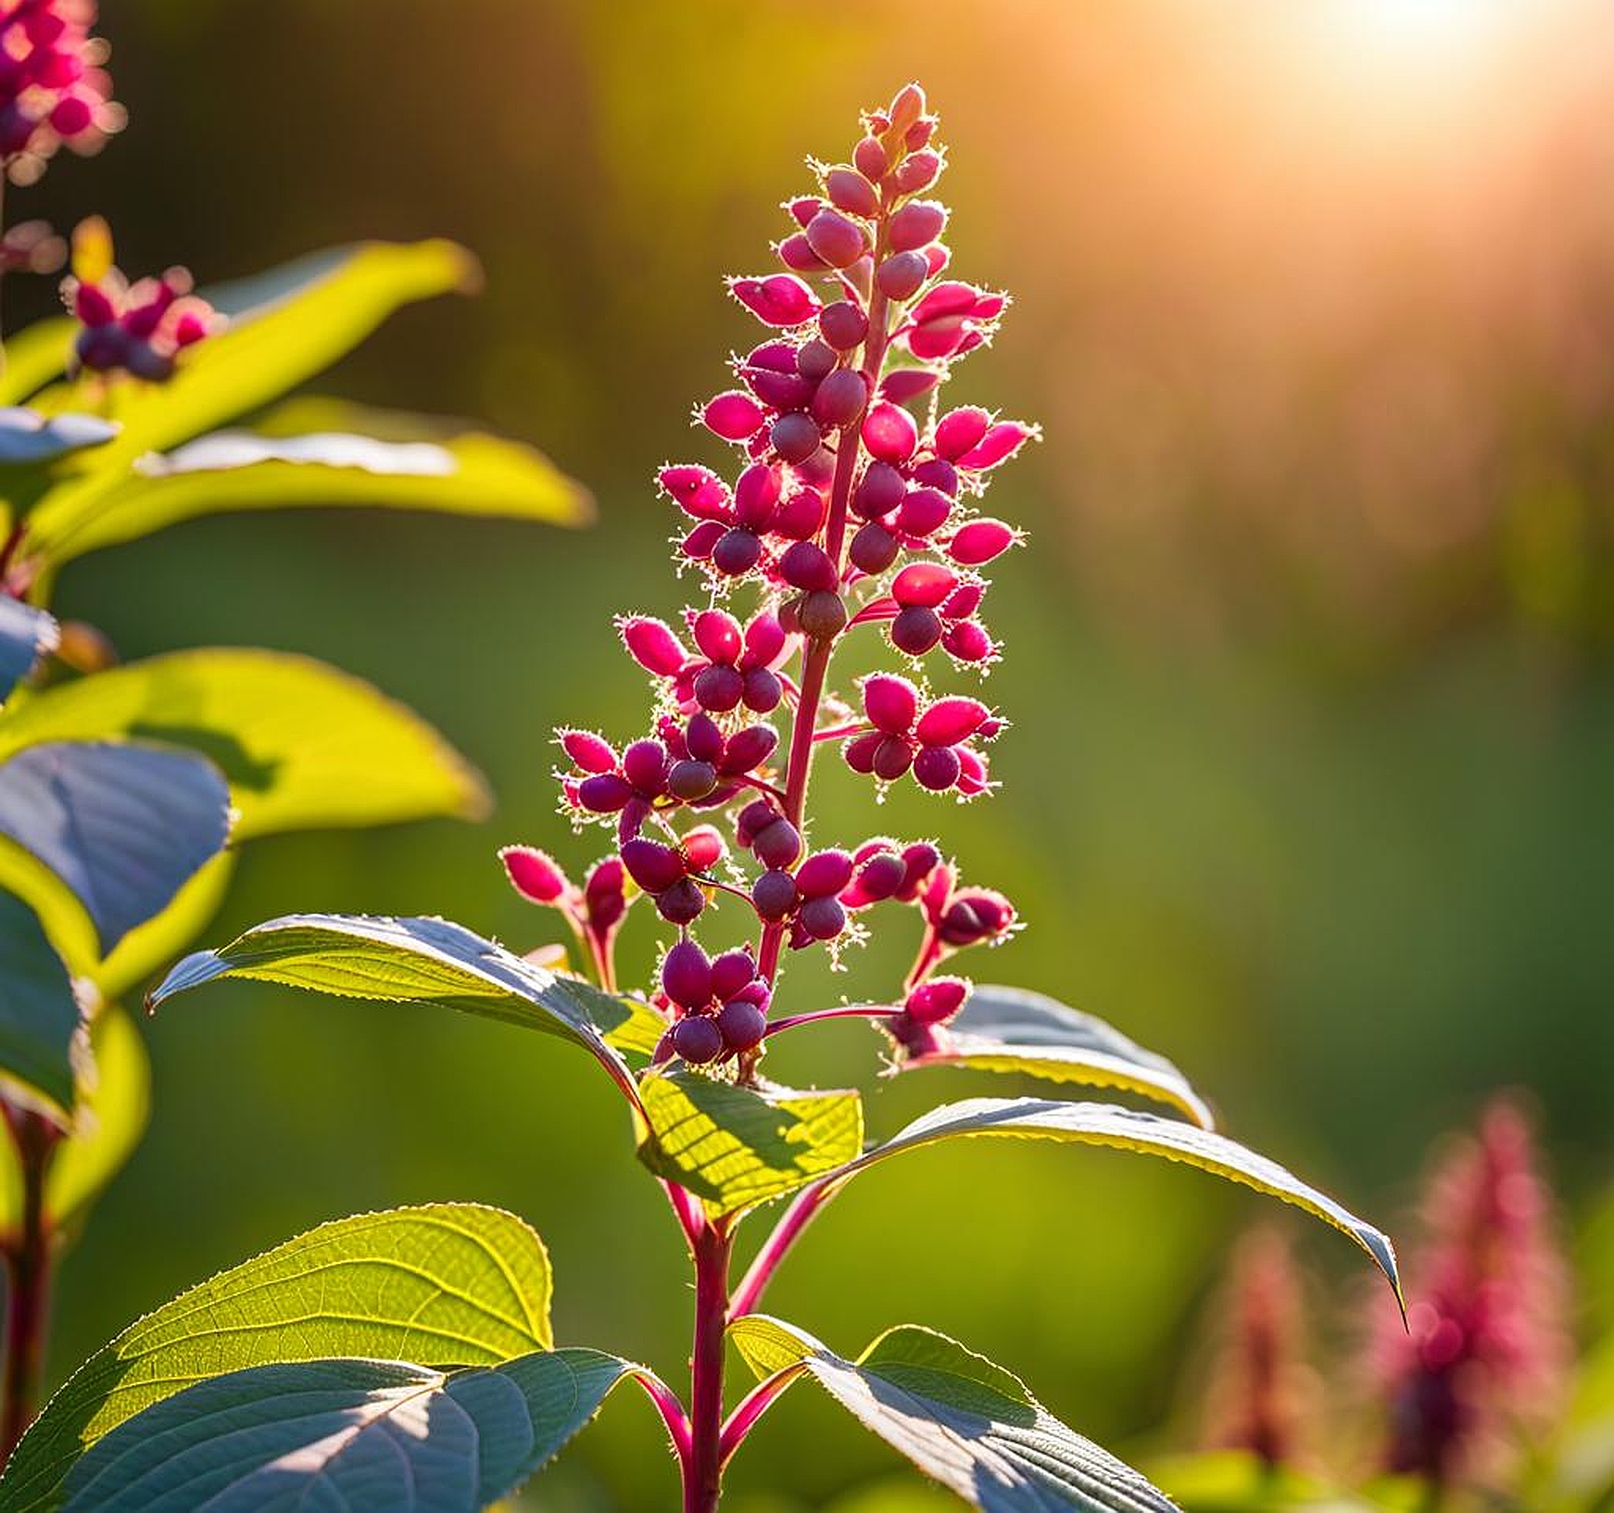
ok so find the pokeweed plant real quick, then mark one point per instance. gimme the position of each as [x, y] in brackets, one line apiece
[126, 791]
[406, 1359]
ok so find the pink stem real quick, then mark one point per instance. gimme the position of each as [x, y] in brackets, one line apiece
[857, 1010]
[751, 1408]
[840, 732]
[671, 1411]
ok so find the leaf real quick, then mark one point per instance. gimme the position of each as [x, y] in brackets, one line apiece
[735, 1147]
[155, 945]
[121, 826]
[463, 472]
[967, 1423]
[302, 744]
[1012, 1030]
[1127, 1129]
[29, 439]
[351, 1434]
[447, 1285]
[26, 634]
[35, 355]
[417, 961]
[39, 1016]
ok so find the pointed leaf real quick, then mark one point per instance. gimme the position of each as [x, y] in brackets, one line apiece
[303, 745]
[1012, 1030]
[122, 826]
[967, 1423]
[1127, 1129]
[108, 1118]
[375, 1435]
[735, 1147]
[39, 1016]
[417, 961]
[29, 439]
[26, 634]
[163, 939]
[446, 1285]
[455, 472]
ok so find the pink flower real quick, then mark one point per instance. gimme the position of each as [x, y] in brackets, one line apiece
[54, 91]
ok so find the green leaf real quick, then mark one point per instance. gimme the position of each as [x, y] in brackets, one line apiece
[26, 634]
[735, 1147]
[149, 948]
[121, 826]
[418, 961]
[447, 1285]
[967, 1423]
[340, 461]
[30, 439]
[34, 356]
[39, 1016]
[303, 745]
[356, 1434]
[1104, 1124]
[1012, 1030]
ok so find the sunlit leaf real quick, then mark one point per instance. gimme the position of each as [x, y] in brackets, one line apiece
[735, 1147]
[368, 1434]
[108, 1119]
[1103, 1124]
[446, 1285]
[343, 462]
[26, 634]
[303, 745]
[417, 961]
[39, 1015]
[34, 356]
[122, 826]
[1011, 1030]
[960, 1419]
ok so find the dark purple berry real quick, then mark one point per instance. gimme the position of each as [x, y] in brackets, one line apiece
[778, 845]
[774, 895]
[686, 975]
[691, 780]
[806, 565]
[741, 1025]
[936, 768]
[824, 873]
[879, 491]
[697, 1039]
[880, 876]
[754, 819]
[719, 687]
[821, 614]
[644, 764]
[840, 399]
[844, 325]
[749, 748]
[682, 903]
[823, 918]
[916, 629]
[795, 436]
[873, 548]
[731, 971]
[816, 361]
[859, 752]
[737, 551]
[604, 793]
[653, 866]
[702, 738]
[763, 690]
[892, 758]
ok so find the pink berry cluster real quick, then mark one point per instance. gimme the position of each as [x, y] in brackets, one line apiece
[139, 328]
[54, 90]
[854, 511]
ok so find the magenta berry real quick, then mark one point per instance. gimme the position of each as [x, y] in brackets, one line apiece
[843, 325]
[652, 865]
[824, 873]
[806, 565]
[891, 703]
[901, 275]
[703, 848]
[838, 241]
[840, 398]
[916, 224]
[731, 972]
[937, 1000]
[851, 191]
[686, 975]
[534, 874]
[889, 433]
[881, 876]
[937, 768]
[873, 549]
[780, 300]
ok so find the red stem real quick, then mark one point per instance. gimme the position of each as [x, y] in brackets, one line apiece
[857, 1010]
[28, 1274]
[703, 1472]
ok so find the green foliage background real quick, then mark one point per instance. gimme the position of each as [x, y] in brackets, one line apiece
[1309, 782]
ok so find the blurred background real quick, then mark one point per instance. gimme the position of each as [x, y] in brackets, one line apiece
[1311, 783]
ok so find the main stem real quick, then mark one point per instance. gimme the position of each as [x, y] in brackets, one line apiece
[703, 1472]
[28, 1276]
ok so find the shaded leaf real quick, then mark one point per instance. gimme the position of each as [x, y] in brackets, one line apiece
[967, 1423]
[458, 473]
[157, 944]
[446, 1285]
[417, 961]
[26, 634]
[108, 1118]
[39, 1016]
[302, 744]
[122, 826]
[29, 438]
[1127, 1129]
[735, 1147]
[1013, 1030]
[370, 1434]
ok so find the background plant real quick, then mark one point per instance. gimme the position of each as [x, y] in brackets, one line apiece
[126, 790]
[172, 1413]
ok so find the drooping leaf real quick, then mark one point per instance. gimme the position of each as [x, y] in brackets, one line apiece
[26, 634]
[303, 745]
[1012, 1030]
[29, 438]
[447, 1285]
[344, 462]
[735, 1147]
[108, 1119]
[39, 1015]
[418, 961]
[1104, 1124]
[354, 1434]
[121, 826]
[960, 1419]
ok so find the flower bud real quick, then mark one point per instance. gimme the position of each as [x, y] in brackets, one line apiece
[907, 107]
[801, 515]
[686, 975]
[781, 300]
[702, 738]
[958, 431]
[764, 640]
[889, 433]
[843, 325]
[754, 819]
[922, 512]
[702, 848]
[699, 544]
[653, 866]
[719, 687]
[850, 191]
[796, 252]
[534, 874]
[937, 1000]
[718, 635]
[652, 644]
[837, 240]
[1000, 443]
[756, 493]
[604, 897]
[806, 565]
[890, 702]
[824, 873]
[697, 1039]
[816, 360]
[840, 398]
[920, 860]
[871, 159]
[924, 583]
[918, 172]
[804, 207]
[937, 473]
[901, 275]
[880, 876]
[733, 415]
[951, 720]
[903, 385]
[859, 752]
[916, 224]
[978, 542]
[590, 752]
[967, 641]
